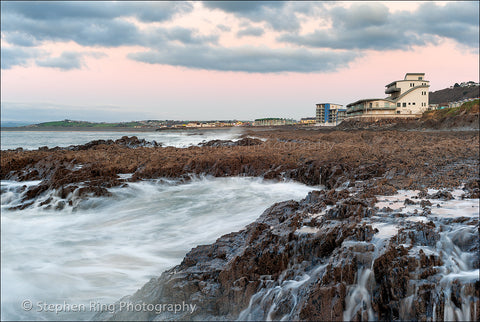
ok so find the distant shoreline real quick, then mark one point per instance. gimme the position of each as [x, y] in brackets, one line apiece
[105, 129]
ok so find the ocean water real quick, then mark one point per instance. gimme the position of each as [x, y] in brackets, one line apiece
[110, 247]
[31, 140]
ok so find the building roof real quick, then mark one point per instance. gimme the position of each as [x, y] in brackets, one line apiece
[406, 80]
[329, 103]
[423, 74]
[370, 99]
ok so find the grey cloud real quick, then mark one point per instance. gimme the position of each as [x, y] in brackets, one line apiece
[68, 60]
[92, 23]
[87, 32]
[372, 26]
[161, 37]
[374, 37]
[242, 6]
[188, 36]
[247, 59]
[360, 15]
[53, 10]
[17, 56]
[224, 28]
[99, 24]
[278, 15]
[21, 39]
[458, 21]
[251, 31]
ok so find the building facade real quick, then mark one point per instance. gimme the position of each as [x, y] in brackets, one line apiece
[271, 121]
[330, 114]
[407, 98]
[308, 120]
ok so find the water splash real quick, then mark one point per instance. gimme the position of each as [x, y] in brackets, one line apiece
[113, 245]
[278, 300]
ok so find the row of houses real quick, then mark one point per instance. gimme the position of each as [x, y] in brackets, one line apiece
[451, 104]
[273, 121]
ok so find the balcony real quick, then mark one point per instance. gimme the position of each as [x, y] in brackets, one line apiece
[392, 89]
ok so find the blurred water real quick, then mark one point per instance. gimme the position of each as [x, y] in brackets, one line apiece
[110, 247]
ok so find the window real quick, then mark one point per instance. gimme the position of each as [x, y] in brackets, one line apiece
[398, 112]
[404, 104]
[420, 78]
[398, 104]
[408, 103]
[413, 103]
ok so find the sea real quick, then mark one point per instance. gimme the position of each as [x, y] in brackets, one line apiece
[32, 140]
[62, 265]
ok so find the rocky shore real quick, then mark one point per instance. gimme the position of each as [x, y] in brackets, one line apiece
[331, 256]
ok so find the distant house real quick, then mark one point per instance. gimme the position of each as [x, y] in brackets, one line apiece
[330, 113]
[408, 97]
[308, 120]
[273, 121]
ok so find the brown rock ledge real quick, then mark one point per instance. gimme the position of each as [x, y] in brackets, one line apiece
[382, 160]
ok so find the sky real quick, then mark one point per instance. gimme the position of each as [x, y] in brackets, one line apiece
[121, 61]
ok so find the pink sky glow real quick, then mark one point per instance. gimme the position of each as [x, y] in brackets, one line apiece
[132, 89]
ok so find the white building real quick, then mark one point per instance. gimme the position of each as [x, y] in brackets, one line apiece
[408, 98]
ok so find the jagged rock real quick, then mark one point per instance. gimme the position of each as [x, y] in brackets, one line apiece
[442, 195]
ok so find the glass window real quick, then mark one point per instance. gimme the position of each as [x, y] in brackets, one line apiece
[404, 104]
[398, 104]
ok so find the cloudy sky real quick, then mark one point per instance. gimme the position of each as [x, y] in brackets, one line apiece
[119, 61]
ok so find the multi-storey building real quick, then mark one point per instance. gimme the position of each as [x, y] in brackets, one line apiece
[408, 98]
[330, 114]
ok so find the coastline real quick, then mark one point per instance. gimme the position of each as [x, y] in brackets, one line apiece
[101, 129]
[130, 129]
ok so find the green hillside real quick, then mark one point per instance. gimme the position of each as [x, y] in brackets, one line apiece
[70, 123]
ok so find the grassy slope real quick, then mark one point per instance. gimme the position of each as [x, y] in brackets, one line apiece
[466, 108]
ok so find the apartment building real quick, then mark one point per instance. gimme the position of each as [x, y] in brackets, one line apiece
[330, 113]
[407, 98]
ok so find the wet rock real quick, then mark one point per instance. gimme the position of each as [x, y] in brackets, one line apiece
[229, 143]
[442, 195]
[472, 189]
[409, 202]
[425, 203]
[349, 208]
